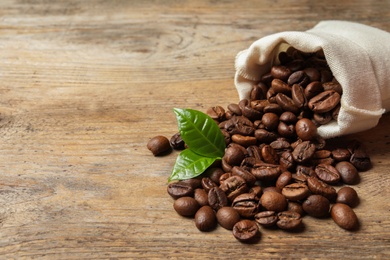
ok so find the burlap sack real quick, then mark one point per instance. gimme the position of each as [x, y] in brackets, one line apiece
[357, 54]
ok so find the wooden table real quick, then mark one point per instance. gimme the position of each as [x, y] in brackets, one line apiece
[84, 86]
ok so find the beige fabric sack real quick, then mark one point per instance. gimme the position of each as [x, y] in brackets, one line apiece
[357, 54]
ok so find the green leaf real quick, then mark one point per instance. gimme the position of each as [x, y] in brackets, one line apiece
[201, 134]
[189, 165]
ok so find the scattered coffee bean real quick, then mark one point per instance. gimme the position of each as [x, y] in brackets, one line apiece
[227, 217]
[316, 206]
[159, 145]
[344, 216]
[289, 220]
[186, 206]
[245, 230]
[205, 219]
[347, 195]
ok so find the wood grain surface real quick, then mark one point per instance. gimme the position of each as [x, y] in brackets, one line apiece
[85, 84]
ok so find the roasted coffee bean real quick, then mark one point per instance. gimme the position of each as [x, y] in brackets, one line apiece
[248, 111]
[304, 170]
[249, 178]
[322, 118]
[286, 103]
[341, 154]
[288, 117]
[324, 101]
[335, 112]
[227, 217]
[289, 220]
[273, 108]
[360, 160]
[283, 180]
[267, 78]
[205, 219]
[316, 206]
[269, 155]
[246, 204]
[348, 173]
[243, 140]
[186, 206]
[235, 109]
[225, 166]
[254, 151]
[303, 152]
[224, 177]
[281, 145]
[217, 113]
[159, 145]
[295, 207]
[256, 190]
[265, 136]
[266, 171]
[286, 161]
[285, 130]
[200, 195]
[306, 129]
[177, 142]
[299, 78]
[280, 86]
[316, 186]
[234, 154]
[344, 216]
[327, 173]
[270, 121]
[347, 195]
[298, 96]
[214, 173]
[217, 198]
[239, 125]
[271, 188]
[259, 91]
[313, 89]
[180, 189]
[280, 72]
[246, 230]
[295, 191]
[208, 184]
[259, 105]
[266, 218]
[273, 201]
[234, 186]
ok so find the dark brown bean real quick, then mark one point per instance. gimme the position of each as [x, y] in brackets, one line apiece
[266, 218]
[344, 216]
[296, 191]
[227, 217]
[347, 195]
[205, 219]
[217, 198]
[246, 230]
[186, 206]
[273, 201]
[306, 129]
[289, 220]
[316, 206]
[159, 145]
[327, 173]
[179, 189]
[348, 173]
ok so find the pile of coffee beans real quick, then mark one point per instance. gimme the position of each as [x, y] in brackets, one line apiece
[276, 168]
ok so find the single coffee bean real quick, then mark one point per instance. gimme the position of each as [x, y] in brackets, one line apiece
[273, 108]
[249, 178]
[208, 184]
[307, 171]
[296, 207]
[286, 103]
[344, 216]
[341, 154]
[322, 118]
[200, 195]
[246, 205]
[266, 218]
[348, 173]
[217, 198]
[283, 180]
[234, 186]
[289, 220]
[269, 155]
[259, 91]
[281, 145]
[316, 186]
[280, 86]
[265, 136]
[285, 130]
[298, 78]
[347, 195]
[234, 154]
[296, 191]
[266, 171]
[254, 151]
[360, 160]
[273, 201]
[316, 206]
[248, 111]
[324, 101]
[177, 142]
[313, 74]
[303, 152]
[193, 182]
[286, 161]
[256, 190]
[313, 89]
[227, 217]
[159, 145]
[288, 117]
[217, 113]
[270, 121]
[205, 219]
[245, 230]
[214, 173]
[235, 109]
[244, 140]
[180, 189]
[186, 206]
[239, 125]
[333, 86]
[305, 129]
[280, 72]
[327, 173]
[298, 96]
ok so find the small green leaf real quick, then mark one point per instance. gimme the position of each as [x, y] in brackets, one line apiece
[201, 134]
[189, 165]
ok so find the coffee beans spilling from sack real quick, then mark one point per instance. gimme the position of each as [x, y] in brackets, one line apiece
[276, 169]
